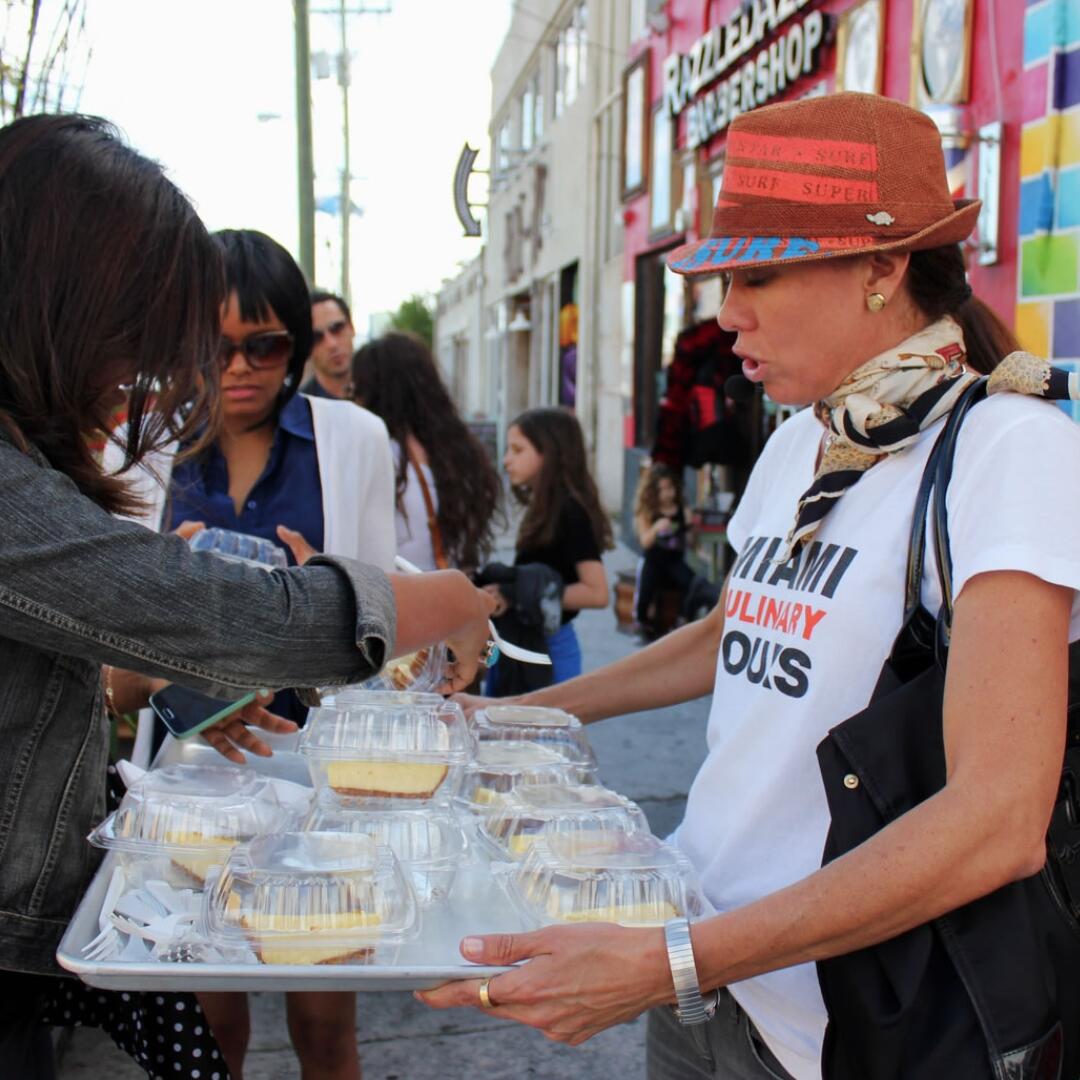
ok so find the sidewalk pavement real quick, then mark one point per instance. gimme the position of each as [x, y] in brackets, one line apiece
[652, 758]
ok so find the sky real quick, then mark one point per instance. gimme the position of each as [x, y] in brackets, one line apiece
[207, 87]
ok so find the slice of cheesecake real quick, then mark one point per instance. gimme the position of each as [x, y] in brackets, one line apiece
[404, 671]
[294, 939]
[197, 865]
[386, 779]
[626, 914]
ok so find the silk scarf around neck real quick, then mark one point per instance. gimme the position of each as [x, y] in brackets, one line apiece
[884, 405]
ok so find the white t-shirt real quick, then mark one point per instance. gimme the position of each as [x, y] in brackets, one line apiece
[411, 519]
[804, 642]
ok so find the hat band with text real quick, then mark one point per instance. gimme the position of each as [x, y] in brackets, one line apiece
[723, 250]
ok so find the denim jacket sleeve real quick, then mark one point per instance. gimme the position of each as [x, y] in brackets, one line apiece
[76, 581]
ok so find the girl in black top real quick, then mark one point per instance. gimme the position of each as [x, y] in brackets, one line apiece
[564, 526]
[660, 523]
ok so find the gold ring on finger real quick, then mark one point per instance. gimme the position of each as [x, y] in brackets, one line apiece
[485, 995]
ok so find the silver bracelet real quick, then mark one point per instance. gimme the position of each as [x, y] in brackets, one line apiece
[691, 1007]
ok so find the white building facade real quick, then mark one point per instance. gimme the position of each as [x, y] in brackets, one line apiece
[546, 327]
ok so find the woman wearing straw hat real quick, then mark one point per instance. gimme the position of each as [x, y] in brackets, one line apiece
[844, 280]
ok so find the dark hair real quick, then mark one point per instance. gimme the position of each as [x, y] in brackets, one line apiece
[647, 499]
[267, 280]
[107, 277]
[556, 434]
[395, 377]
[937, 282]
[320, 296]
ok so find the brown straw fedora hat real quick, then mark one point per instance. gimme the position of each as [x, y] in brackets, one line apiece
[846, 174]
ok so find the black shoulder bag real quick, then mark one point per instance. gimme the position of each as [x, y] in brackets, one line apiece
[990, 991]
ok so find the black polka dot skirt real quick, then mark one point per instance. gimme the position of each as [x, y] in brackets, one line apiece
[166, 1034]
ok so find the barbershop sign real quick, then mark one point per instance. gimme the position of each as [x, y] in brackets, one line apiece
[711, 81]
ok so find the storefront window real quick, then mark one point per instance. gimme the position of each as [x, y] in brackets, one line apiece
[568, 336]
[688, 172]
[569, 71]
[571, 64]
[581, 15]
[503, 147]
[527, 113]
[673, 315]
[660, 315]
[559, 81]
[712, 178]
[635, 126]
[538, 108]
[661, 209]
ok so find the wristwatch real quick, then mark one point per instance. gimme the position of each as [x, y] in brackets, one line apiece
[691, 1008]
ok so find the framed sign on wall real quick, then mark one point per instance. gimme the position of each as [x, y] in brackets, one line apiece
[635, 126]
[860, 47]
[941, 52]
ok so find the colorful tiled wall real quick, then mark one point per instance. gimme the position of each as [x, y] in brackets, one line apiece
[1048, 307]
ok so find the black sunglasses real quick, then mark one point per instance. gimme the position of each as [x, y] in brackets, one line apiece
[333, 330]
[269, 349]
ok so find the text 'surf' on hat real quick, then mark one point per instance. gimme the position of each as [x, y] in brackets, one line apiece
[814, 179]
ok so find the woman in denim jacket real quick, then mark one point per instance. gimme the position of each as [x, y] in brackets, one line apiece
[109, 279]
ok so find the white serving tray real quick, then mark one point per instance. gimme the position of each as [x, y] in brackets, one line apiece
[476, 905]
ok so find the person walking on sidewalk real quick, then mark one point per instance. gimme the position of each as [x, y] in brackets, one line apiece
[661, 527]
[331, 346]
[447, 490]
[564, 529]
[835, 218]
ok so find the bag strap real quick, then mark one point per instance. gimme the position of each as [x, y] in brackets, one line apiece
[943, 474]
[933, 488]
[441, 561]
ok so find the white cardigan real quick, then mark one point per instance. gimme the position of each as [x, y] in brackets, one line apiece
[356, 473]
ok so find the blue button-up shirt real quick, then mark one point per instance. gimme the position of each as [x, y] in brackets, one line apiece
[288, 492]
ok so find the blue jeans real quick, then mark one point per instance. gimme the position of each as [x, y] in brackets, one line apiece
[565, 652]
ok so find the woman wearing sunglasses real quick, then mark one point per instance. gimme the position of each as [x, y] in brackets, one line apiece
[284, 464]
[108, 278]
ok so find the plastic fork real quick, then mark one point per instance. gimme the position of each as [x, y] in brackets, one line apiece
[107, 941]
[105, 945]
[159, 930]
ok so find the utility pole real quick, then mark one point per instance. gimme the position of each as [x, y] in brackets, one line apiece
[305, 158]
[344, 75]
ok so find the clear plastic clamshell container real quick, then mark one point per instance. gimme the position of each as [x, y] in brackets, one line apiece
[421, 672]
[428, 842]
[240, 547]
[311, 898]
[502, 766]
[628, 878]
[581, 811]
[552, 728]
[178, 822]
[359, 695]
[380, 746]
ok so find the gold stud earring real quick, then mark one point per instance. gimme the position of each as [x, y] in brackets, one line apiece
[875, 302]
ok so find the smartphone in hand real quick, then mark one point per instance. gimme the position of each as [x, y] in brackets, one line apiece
[187, 712]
